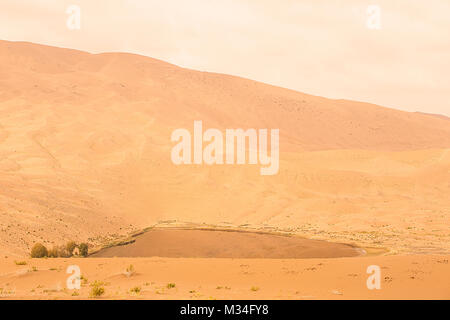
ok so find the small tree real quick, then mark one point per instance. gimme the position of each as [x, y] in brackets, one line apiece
[63, 253]
[39, 251]
[59, 252]
[53, 252]
[70, 246]
[83, 247]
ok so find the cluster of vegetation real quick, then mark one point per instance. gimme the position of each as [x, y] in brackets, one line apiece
[97, 291]
[97, 288]
[67, 251]
[171, 285]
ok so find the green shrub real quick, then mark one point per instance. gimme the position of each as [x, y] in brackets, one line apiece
[83, 247]
[39, 251]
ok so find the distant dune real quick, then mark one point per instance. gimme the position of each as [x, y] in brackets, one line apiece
[85, 155]
[441, 116]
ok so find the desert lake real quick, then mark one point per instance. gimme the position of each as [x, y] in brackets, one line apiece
[211, 243]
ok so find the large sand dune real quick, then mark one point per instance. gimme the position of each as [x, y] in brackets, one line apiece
[85, 155]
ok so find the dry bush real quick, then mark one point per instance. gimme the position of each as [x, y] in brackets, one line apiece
[84, 249]
[135, 290]
[59, 252]
[39, 251]
[70, 246]
[97, 290]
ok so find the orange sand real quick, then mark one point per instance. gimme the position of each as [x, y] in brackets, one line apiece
[403, 277]
[85, 155]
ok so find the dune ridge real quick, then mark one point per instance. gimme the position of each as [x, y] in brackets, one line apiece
[85, 155]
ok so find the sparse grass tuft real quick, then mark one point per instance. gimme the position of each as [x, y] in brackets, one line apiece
[84, 249]
[20, 263]
[171, 285]
[97, 290]
[130, 271]
[135, 290]
[98, 283]
[254, 288]
[84, 280]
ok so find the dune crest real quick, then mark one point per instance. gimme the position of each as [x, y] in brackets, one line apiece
[85, 155]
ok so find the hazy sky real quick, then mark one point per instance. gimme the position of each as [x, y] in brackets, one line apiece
[321, 47]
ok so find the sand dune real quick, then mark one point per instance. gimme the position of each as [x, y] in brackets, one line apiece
[147, 91]
[85, 155]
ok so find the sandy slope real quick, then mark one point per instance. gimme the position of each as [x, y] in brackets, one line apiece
[402, 277]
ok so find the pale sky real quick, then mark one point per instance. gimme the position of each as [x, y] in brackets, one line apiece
[321, 47]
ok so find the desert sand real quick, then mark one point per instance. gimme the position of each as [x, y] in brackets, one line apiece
[407, 277]
[85, 156]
